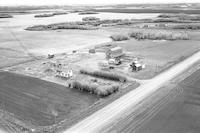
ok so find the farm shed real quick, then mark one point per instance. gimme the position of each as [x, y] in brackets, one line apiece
[115, 52]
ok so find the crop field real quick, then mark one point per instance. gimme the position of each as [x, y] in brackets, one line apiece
[39, 102]
[182, 114]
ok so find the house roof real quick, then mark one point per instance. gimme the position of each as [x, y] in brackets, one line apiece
[116, 48]
[138, 65]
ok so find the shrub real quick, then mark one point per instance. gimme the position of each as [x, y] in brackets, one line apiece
[91, 19]
[119, 37]
[106, 75]
[94, 88]
[159, 35]
[181, 16]
[44, 15]
[88, 12]
[187, 26]
[61, 26]
[59, 13]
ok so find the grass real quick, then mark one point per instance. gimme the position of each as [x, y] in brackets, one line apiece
[105, 75]
[101, 91]
[119, 37]
[155, 34]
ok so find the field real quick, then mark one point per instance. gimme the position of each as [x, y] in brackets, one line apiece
[181, 115]
[158, 55]
[9, 57]
[16, 45]
[39, 102]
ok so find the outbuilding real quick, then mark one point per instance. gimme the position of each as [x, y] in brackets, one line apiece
[115, 52]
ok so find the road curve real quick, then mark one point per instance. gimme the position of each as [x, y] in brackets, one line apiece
[107, 115]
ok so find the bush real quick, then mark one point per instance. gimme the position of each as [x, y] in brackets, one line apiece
[61, 26]
[59, 13]
[44, 15]
[106, 75]
[88, 12]
[159, 35]
[91, 19]
[181, 16]
[187, 26]
[96, 89]
[119, 37]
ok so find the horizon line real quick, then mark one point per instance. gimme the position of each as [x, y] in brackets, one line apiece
[103, 4]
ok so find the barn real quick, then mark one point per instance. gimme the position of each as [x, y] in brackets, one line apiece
[115, 52]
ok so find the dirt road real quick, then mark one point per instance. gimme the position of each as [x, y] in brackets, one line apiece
[111, 113]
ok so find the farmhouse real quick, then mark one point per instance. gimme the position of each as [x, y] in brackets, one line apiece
[115, 52]
[62, 74]
[136, 66]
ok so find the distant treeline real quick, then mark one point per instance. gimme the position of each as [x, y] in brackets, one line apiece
[181, 16]
[152, 34]
[187, 26]
[5, 16]
[50, 14]
[60, 26]
[87, 12]
[82, 25]
[115, 10]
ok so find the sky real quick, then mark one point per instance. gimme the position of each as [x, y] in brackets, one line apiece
[93, 2]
